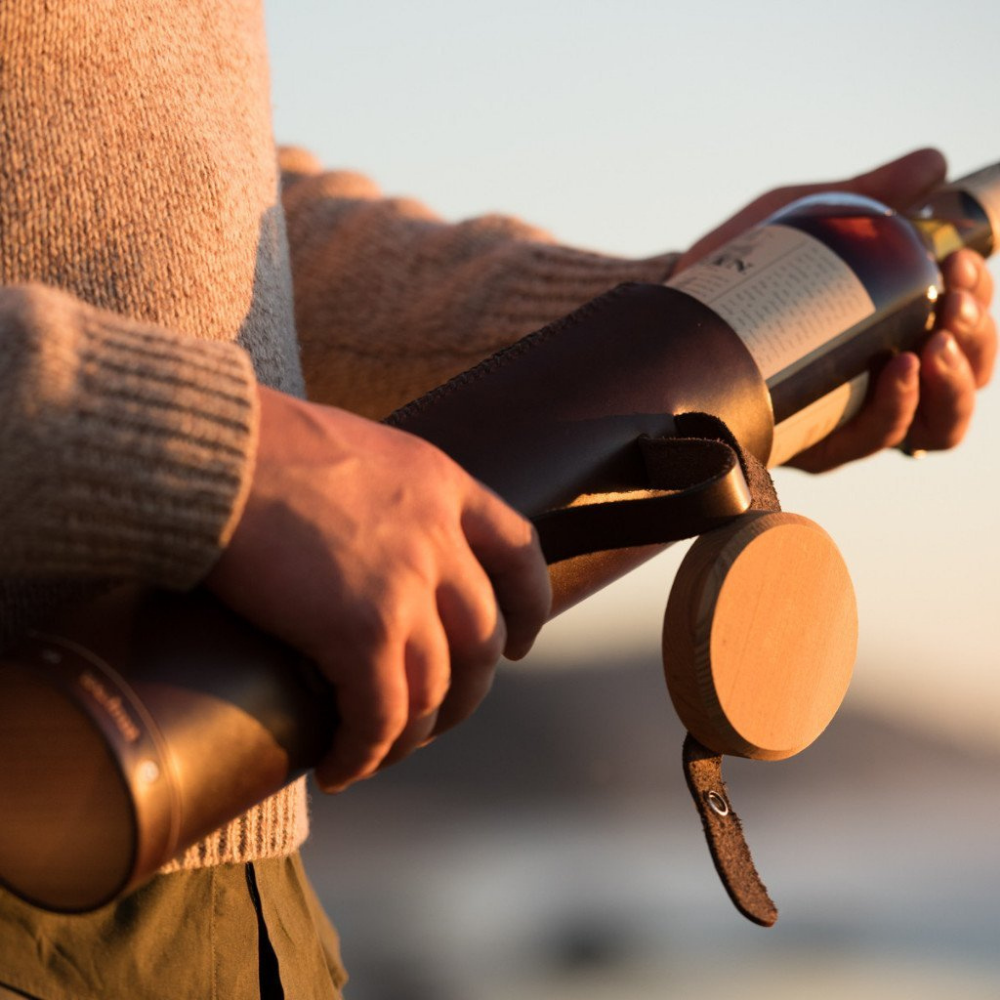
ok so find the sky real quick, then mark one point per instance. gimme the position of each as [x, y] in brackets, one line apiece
[633, 127]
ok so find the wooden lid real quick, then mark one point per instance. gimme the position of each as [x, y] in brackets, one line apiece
[760, 636]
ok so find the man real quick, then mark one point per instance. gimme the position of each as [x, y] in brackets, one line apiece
[154, 429]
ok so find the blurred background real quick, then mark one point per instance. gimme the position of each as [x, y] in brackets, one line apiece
[548, 848]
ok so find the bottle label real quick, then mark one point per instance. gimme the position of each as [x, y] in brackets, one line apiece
[783, 291]
[984, 186]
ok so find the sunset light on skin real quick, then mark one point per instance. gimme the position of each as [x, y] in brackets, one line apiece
[634, 128]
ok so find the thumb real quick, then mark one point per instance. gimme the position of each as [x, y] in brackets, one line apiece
[901, 183]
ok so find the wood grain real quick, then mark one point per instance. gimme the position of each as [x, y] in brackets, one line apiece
[760, 636]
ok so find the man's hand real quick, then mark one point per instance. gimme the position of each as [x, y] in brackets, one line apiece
[924, 400]
[376, 556]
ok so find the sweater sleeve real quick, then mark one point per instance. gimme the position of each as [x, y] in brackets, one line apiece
[391, 301]
[125, 448]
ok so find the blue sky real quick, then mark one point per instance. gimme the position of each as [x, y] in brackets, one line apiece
[632, 127]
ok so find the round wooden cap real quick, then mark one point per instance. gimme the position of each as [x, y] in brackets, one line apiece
[760, 636]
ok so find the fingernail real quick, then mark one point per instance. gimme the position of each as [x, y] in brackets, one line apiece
[909, 372]
[965, 274]
[970, 313]
[945, 350]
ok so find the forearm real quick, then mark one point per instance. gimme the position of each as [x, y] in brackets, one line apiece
[125, 448]
[391, 300]
[141, 240]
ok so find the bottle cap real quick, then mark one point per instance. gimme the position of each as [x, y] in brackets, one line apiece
[984, 186]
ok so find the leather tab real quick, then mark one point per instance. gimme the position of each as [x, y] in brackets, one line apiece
[693, 485]
[724, 833]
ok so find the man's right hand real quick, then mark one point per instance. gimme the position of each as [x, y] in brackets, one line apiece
[380, 559]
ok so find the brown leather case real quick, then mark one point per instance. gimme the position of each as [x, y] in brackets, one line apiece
[136, 726]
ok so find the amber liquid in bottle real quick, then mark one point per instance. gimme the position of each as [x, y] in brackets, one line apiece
[832, 285]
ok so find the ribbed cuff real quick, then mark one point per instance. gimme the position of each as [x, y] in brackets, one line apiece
[130, 449]
[274, 829]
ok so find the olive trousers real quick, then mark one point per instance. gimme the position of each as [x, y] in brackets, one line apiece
[233, 932]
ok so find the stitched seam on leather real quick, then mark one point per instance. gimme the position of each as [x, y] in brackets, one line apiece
[502, 358]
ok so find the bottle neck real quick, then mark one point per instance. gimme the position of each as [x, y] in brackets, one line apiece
[965, 213]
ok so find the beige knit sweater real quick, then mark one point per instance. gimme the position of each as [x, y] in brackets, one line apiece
[146, 281]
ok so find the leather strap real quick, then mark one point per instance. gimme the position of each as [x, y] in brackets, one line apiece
[703, 767]
[705, 489]
[724, 833]
[695, 482]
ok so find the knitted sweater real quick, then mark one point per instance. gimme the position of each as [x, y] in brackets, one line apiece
[148, 251]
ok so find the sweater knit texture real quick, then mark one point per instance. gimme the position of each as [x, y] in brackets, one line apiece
[150, 238]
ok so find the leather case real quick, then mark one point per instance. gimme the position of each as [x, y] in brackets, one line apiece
[168, 716]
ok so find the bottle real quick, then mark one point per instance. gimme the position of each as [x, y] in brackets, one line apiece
[832, 283]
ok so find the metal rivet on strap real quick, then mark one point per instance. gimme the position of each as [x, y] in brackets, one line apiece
[717, 803]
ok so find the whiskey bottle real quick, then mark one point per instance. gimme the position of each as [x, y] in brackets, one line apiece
[831, 284]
